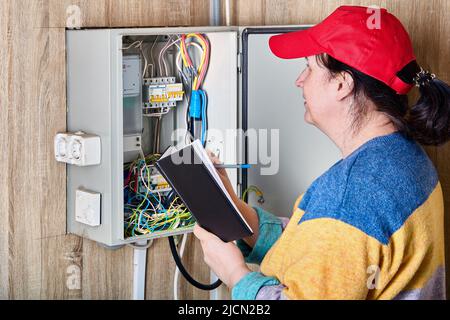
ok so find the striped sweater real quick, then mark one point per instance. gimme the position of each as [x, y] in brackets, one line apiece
[371, 227]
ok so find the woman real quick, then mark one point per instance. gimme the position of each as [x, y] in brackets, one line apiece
[371, 227]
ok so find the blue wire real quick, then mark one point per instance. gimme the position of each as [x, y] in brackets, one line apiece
[204, 122]
[144, 197]
[159, 202]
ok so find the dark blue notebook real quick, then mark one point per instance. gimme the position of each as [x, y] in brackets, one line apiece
[192, 175]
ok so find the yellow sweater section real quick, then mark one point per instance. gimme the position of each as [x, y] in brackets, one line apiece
[326, 258]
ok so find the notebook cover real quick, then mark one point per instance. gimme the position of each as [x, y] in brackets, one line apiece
[203, 196]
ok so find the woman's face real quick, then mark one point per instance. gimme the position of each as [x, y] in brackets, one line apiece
[319, 93]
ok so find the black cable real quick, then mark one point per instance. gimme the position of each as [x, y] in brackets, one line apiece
[190, 128]
[188, 119]
[183, 271]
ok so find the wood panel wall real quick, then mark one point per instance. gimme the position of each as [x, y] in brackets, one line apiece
[37, 259]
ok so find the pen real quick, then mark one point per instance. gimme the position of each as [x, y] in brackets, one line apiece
[232, 166]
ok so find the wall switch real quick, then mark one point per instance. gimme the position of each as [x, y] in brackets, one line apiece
[87, 207]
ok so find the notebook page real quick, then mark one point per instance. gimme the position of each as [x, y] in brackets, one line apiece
[168, 152]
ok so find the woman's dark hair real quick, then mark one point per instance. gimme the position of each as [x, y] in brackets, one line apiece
[427, 122]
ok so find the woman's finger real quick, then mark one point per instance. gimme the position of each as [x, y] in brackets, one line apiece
[216, 160]
[213, 157]
[202, 234]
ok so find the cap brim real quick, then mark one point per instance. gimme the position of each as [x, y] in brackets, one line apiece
[293, 45]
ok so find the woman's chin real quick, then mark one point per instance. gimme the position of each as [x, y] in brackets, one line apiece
[307, 117]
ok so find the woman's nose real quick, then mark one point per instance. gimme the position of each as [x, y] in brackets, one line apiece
[300, 80]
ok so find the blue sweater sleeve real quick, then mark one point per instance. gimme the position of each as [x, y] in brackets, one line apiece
[270, 229]
[249, 286]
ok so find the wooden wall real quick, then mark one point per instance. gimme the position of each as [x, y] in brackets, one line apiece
[37, 259]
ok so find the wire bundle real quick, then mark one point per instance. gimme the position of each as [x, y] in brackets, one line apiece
[146, 209]
[200, 72]
[198, 103]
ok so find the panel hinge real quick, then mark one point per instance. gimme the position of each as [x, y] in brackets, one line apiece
[239, 62]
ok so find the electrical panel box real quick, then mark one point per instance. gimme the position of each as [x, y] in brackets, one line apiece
[128, 87]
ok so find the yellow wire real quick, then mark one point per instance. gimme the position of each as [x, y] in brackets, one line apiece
[183, 56]
[135, 211]
[203, 59]
[174, 212]
[203, 44]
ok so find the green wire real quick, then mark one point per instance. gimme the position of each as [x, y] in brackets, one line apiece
[139, 218]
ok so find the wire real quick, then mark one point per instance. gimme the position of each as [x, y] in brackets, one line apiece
[157, 134]
[183, 271]
[204, 118]
[163, 51]
[138, 45]
[174, 42]
[145, 61]
[187, 118]
[177, 271]
[157, 114]
[151, 54]
[135, 44]
[199, 101]
[159, 57]
[147, 209]
[179, 55]
[178, 61]
[201, 71]
[256, 190]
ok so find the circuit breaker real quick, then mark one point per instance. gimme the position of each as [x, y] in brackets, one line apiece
[136, 89]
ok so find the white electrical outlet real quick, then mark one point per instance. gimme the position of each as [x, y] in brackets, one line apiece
[87, 207]
[78, 148]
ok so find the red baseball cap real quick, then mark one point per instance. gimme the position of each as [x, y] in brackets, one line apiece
[370, 40]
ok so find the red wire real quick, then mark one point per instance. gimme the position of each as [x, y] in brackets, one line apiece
[206, 63]
[128, 178]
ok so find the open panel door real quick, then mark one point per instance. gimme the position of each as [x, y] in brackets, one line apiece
[272, 102]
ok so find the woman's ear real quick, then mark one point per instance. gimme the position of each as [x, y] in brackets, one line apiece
[345, 85]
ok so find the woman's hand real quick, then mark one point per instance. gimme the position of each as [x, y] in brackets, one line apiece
[224, 259]
[247, 211]
[223, 176]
